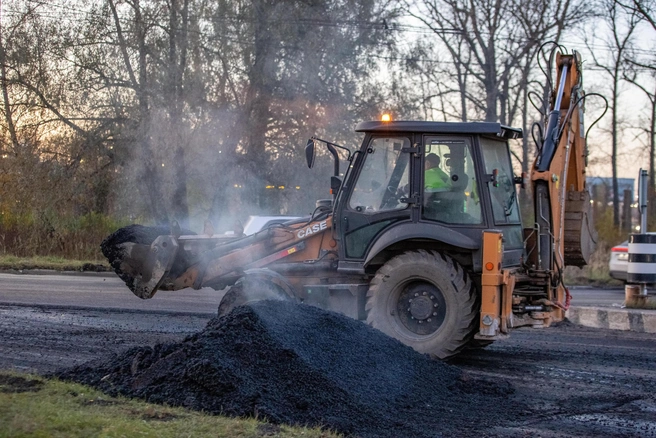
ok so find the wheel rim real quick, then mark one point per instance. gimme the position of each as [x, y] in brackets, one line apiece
[420, 308]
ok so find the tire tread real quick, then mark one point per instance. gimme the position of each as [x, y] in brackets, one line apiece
[466, 295]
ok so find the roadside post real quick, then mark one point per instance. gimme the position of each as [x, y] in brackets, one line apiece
[641, 269]
[643, 180]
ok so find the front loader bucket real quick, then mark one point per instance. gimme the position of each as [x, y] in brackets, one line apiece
[147, 268]
[141, 256]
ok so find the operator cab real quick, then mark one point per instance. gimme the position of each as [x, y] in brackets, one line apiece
[428, 183]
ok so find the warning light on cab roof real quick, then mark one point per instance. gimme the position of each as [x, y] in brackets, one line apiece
[386, 117]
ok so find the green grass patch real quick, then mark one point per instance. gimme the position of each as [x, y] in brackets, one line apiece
[52, 263]
[35, 407]
[54, 233]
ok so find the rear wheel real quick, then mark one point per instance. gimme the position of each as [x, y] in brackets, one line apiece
[477, 344]
[426, 300]
[248, 290]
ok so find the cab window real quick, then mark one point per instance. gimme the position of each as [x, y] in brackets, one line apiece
[384, 176]
[450, 187]
[496, 156]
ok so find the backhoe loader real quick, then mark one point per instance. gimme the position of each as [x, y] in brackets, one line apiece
[437, 266]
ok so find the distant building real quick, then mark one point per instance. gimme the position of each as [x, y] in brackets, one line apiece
[602, 187]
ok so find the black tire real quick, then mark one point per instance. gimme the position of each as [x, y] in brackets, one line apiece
[425, 300]
[477, 344]
[248, 290]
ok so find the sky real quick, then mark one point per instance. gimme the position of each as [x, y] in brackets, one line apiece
[633, 106]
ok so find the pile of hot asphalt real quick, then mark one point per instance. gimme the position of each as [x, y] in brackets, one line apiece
[296, 364]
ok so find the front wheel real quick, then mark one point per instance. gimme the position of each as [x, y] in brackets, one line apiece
[426, 300]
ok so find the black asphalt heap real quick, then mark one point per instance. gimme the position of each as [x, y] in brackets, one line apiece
[296, 364]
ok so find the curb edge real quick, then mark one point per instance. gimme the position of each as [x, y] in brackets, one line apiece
[637, 320]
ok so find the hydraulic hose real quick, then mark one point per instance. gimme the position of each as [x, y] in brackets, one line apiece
[553, 126]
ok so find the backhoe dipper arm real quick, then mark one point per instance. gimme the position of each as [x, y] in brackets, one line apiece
[561, 199]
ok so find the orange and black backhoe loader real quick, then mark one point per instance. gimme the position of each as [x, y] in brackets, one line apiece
[437, 266]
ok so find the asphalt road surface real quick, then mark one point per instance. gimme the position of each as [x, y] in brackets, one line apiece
[108, 291]
[104, 291]
[593, 297]
[576, 381]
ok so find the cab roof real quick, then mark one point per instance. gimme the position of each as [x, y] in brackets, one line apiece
[480, 128]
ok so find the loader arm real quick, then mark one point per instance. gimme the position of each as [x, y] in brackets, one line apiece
[173, 263]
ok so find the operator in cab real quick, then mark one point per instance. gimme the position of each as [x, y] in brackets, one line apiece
[435, 179]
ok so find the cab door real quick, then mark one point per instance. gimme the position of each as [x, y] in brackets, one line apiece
[379, 194]
[456, 204]
[503, 198]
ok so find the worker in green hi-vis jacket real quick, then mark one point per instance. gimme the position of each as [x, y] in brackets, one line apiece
[434, 178]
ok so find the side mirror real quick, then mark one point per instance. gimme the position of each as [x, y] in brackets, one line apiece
[309, 153]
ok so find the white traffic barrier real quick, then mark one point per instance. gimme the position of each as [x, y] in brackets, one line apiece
[642, 259]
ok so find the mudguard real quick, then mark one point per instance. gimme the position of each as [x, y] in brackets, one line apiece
[420, 231]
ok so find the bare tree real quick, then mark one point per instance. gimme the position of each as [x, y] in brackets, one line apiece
[644, 9]
[4, 83]
[138, 81]
[303, 69]
[621, 27]
[641, 72]
[492, 46]
[36, 105]
[646, 83]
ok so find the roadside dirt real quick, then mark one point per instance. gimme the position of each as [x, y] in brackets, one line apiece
[568, 380]
[16, 384]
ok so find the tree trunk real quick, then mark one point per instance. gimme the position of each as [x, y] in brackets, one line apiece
[261, 78]
[614, 127]
[149, 179]
[177, 65]
[11, 127]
